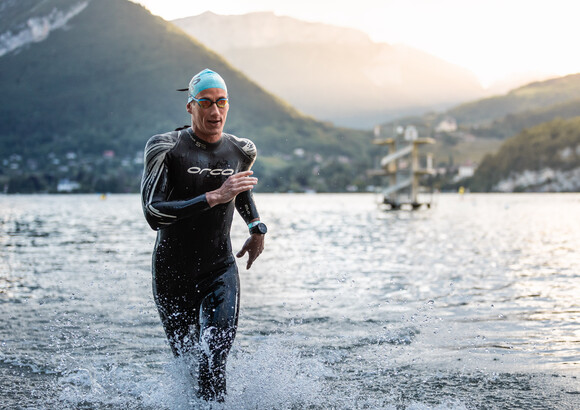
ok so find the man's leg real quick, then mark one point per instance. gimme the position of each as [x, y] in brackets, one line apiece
[218, 323]
[178, 308]
[180, 322]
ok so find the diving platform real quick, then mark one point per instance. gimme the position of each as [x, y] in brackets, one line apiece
[402, 169]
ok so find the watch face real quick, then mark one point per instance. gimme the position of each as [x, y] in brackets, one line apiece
[260, 228]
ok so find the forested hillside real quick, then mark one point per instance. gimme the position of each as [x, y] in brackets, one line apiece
[543, 158]
[512, 124]
[533, 96]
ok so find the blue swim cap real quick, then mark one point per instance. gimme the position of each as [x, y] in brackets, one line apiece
[203, 80]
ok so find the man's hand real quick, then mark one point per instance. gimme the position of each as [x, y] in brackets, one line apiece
[235, 184]
[254, 246]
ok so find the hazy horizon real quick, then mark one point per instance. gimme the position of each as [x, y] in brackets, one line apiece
[495, 40]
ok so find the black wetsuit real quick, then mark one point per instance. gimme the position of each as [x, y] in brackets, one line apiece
[195, 278]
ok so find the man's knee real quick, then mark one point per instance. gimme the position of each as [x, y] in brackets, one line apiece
[214, 340]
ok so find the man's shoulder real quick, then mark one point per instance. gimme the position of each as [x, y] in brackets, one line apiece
[160, 144]
[245, 145]
[165, 138]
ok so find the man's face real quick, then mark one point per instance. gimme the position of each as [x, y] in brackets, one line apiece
[208, 123]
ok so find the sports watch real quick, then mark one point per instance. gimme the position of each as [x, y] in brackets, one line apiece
[258, 227]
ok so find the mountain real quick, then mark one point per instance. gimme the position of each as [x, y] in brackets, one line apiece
[505, 115]
[80, 100]
[536, 95]
[512, 124]
[517, 80]
[333, 73]
[543, 158]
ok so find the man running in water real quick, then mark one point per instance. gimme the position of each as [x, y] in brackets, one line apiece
[193, 179]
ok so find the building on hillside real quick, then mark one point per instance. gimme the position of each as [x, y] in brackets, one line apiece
[464, 171]
[448, 124]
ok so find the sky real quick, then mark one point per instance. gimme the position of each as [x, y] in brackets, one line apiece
[495, 39]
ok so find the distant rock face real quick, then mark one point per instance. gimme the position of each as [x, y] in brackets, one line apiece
[544, 180]
[37, 28]
[333, 73]
[264, 29]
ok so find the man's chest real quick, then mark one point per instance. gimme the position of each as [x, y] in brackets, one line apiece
[195, 172]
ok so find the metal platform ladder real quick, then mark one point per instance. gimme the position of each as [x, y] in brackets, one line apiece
[403, 169]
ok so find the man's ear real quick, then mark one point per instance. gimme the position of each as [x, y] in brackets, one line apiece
[189, 108]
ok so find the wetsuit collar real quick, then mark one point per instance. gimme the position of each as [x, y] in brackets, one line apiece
[209, 146]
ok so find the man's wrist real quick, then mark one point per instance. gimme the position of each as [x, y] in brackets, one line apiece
[253, 223]
[212, 198]
[257, 227]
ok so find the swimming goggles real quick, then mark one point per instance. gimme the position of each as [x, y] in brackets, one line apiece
[205, 103]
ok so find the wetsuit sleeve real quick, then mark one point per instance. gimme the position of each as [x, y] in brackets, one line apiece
[247, 207]
[245, 201]
[159, 211]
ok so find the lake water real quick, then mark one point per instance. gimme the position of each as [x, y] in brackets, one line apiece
[472, 304]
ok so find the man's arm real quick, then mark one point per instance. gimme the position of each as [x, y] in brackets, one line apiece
[254, 245]
[155, 187]
[246, 206]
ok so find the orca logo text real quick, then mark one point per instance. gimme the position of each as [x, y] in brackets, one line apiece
[217, 171]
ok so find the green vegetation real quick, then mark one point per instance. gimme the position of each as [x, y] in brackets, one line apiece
[81, 105]
[451, 152]
[512, 124]
[533, 96]
[555, 145]
[506, 115]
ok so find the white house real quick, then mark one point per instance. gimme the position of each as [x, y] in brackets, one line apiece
[448, 124]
